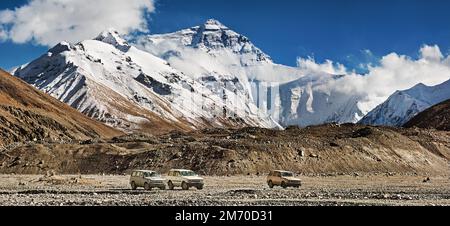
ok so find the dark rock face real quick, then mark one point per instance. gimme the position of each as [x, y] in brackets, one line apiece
[436, 117]
[61, 47]
[156, 86]
[365, 132]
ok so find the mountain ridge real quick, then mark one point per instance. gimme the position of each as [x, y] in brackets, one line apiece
[402, 106]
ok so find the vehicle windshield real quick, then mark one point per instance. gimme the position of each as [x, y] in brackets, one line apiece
[287, 174]
[188, 173]
[151, 174]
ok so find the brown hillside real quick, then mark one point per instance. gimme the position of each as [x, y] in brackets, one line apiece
[436, 117]
[27, 114]
[327, 149]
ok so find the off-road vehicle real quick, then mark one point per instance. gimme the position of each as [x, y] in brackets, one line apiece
[147, 179]
[283, 178]
[184, 179]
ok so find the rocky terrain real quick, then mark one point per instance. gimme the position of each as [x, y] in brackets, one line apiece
[27, 114]
[322, 150]
[436, 117]
[96, 190]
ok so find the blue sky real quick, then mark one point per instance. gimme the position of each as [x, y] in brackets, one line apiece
[339, 30]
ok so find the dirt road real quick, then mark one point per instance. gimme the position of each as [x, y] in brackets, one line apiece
[237, 190]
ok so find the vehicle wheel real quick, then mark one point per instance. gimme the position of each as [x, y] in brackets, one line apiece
[284, 185]
[133, 186]
[170, 184]
[184, 186]
[270, 184]
[200, 187]
[147, 187]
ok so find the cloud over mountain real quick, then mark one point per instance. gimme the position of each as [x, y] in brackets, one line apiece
[47, 22]
[394, 72]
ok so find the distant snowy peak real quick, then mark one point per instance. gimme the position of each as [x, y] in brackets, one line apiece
[402, 106]
[113, 37]
[213, 24]
[212, 36]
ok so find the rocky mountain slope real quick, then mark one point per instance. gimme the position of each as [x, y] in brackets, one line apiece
[27, 114]
[436, 117]
[323, 150]
[402, 106]
[122, 86]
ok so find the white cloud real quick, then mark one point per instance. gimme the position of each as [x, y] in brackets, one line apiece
[47, 22]
[3, 34]
[309, 65]
[395, 72]
[432, 53]
[197, 62]
[6, 16]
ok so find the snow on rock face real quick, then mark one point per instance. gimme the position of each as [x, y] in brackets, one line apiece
[303, 102]
[213, 35]
[402, 106]
[112, 37]
[214, 56]
[217, 57]
[113, 82]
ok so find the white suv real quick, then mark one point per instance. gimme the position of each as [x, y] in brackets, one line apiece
[283, 178]
[184, 179]
[147, 179]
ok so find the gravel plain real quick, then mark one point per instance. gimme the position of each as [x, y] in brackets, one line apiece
[113, 190]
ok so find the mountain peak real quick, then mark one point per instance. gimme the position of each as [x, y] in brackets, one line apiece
[402, 106]
[213, 24]
[213, 35]
[61, 47]
[213, 21]
[420, 85]
[113, 37]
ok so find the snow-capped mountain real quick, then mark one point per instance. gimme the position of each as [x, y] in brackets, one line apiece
[116, 83]
[216, 56]
[402, 106]
[211, 54]
[212, 37]
[204, 76]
